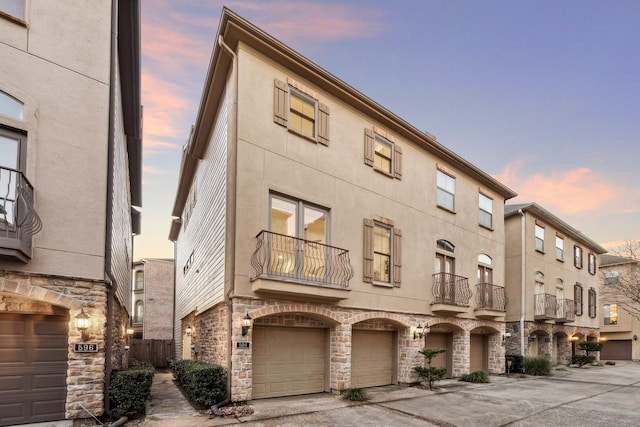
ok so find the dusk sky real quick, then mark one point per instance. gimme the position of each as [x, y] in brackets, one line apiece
[543, 95]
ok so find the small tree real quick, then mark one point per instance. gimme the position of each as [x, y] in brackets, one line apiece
[587, 347]
[431, 374]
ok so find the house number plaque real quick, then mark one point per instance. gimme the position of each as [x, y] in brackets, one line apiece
[85, 347]
[242, 344]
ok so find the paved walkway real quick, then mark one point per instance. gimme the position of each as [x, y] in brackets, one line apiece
[168, 406]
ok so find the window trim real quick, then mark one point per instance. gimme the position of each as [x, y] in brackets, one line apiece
[577, 256]
[300, 206]
[611, 277]
[578, 298]
[395, 275]
[604, 316]
[592, 303]
[136, 281]
[281, 110]
[537, 227]
[480, 196]
[14, 18]
[559, 249]
[370, 152]
[448, 175]
[592, 263]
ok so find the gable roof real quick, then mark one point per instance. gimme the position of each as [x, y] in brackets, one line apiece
[607, 260]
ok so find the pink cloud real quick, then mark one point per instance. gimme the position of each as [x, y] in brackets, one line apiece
[164, 108]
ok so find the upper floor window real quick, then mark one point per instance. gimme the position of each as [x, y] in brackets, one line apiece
[611, 277]
[559, 248]
[592, 263]
[11, 107]
[12, 162]
[539, 233]
[138, 312]
[592, 302]
[297, 108]
[297, 218]
[446, 190]
[485, 205]
[577, 252]
[13, 8]
[610, 314]
[382, 153]
[382, 252]
[139, 284]
[577, 297]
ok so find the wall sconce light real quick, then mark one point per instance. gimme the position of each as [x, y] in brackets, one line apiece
[420, 331]
[82, 323]
[506, 337]
[532, 337]
[573, 338]
[246, 324]
[189, 330]
[130, 331]
[635, 338]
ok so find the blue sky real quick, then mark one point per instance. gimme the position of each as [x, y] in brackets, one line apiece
[543, 95]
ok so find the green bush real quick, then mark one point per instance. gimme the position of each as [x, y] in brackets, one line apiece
[130, 389]
[430, 374]
[204, 383]
[476, 377]
[582, 359]
[537, 366]
[355, 394]
[516, 363]
[590, 346]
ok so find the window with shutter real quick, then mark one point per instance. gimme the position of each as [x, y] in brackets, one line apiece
[297, 109]
[577, 297]
[382, 154]
[382, 253]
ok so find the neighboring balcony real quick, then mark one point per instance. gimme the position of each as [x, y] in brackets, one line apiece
[451, 294]
[18, 219]
[545, 307]
[566, 311]
[286, 265]
[490, 301]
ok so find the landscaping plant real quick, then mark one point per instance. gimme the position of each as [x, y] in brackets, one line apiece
[476, 377]
[355, 394]
[431, 374]
[537, 366]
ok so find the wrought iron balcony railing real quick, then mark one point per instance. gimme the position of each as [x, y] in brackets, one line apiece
[18, 218]
[490, 297]
[282, 257]
[565, 311]
[451, 289]
[545, 306]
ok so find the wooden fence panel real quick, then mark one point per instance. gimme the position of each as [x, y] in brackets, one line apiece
[158, 352]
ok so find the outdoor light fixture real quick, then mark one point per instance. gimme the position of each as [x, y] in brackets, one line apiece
[635, 338]
[246, 324]
[129, 331]
[189, 330]
[506, 336]
[420, 331]
[82, 323]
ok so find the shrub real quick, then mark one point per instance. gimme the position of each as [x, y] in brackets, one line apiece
[204, 383]
[590, 346]
[130, 389]
[431, 374]
[355, 394]
[582, 359]
[516, 363]
[537, 366]
[476, 377]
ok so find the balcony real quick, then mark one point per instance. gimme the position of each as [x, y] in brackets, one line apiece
[451, 294]
[286, 265]
[565, 311]
[490, 301]
[18, 219]
[545, 307]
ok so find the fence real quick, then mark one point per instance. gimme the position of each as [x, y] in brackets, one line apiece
[158, 352]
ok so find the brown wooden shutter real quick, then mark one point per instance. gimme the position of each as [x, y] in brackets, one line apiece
[397, 257]
[397, 161]
[280, 98]
[323, 124]
[367, 273]
[368, 147]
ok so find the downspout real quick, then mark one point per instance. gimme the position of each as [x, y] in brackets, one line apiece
[522, 278]
[231, 227]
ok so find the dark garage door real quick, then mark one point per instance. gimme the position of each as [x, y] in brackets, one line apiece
[33, 368]
[616, 350]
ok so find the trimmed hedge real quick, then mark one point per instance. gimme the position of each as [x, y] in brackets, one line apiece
[130, 389]
[204, 383]
[537, 366]
[516, 363]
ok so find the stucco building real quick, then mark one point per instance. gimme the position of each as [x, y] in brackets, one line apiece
[70, 136]
[552, 284]
[152, 311]
[321, 240]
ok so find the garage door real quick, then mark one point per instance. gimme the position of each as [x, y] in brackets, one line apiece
[288, 361]
[478, 352]
[616, 350]
[371, 358]
[435, 340]
[33, 368]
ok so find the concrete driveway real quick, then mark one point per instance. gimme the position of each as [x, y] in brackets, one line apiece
[594, 396]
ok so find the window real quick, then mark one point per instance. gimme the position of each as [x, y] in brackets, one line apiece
[610, 314]
[138, 313]
[11, 107]
[297, 108]
[13, 7]
[592, 302]
[382, 153]
[577, 256]
[485, 281]
[446, 190]
[592, 264]
[382, 252]
[577, 297]
[611, 277]
[539, 232]
[13, 206]
[559, 248]
[139, 285]
[485, 205]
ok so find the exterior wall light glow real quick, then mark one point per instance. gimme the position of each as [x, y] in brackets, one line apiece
[506, 336]
[246, 324]
[82, 323]
[189, 330]
[420, 331]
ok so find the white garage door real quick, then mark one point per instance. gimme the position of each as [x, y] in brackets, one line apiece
[371, 358]
[288, 361]
[33, 368]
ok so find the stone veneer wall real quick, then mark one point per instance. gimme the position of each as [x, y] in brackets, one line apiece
[24, 293]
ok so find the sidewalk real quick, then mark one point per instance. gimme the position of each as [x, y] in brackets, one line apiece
[168, 407]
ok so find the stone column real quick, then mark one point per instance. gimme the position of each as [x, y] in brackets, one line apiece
[241, 361]
[496, 354]
[408, 356]
[461, 353]
[340, 356]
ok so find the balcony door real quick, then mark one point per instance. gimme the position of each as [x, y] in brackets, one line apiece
[485, 280]
[299, 239]
[445, 279]
[11, 163]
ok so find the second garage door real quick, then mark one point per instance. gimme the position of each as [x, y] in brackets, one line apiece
[616, 350]
[442, 360]
[371, 358]
[478, 352]
[288, 361]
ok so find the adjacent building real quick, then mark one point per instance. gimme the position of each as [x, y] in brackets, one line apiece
[618, 328]
[70, 137]
[321, 240]
[552, 284]
[152, 312]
